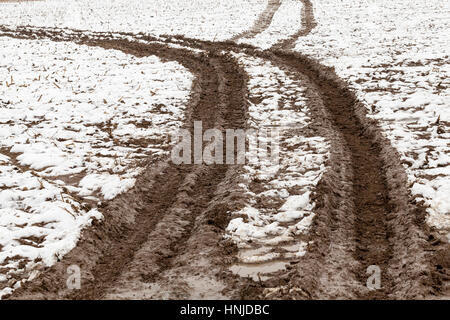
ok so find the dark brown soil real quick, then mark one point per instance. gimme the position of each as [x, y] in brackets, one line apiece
[218, 100]
[366, 215]
[370, 194]
[146, 244]
[386, 223]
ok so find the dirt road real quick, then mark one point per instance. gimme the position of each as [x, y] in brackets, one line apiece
[164, 238]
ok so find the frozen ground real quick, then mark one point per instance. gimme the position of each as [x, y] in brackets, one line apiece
[76, 127]
[285, 22]
[205, 19]
[278, 209]
[69, 138]
[395, 55]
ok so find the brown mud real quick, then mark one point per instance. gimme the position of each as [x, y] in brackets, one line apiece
[154, 222]
[308, 23]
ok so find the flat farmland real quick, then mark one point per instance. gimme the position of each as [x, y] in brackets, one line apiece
[258, 149]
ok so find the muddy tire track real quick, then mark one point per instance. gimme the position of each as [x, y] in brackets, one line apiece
[389, 226]
[262, 23]
[355, 203]
[308, 23]
[176, 197]
[196, 220]
[365, 214]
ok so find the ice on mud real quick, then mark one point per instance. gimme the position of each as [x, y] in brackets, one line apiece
[75, 124]
[285, 22]
[205, 19]
[281, 208]
[394, 55]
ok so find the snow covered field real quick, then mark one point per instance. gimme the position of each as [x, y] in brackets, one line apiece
[205, 19]
[395, 54]
[285, 22]
[279, 209]
[77, 125]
